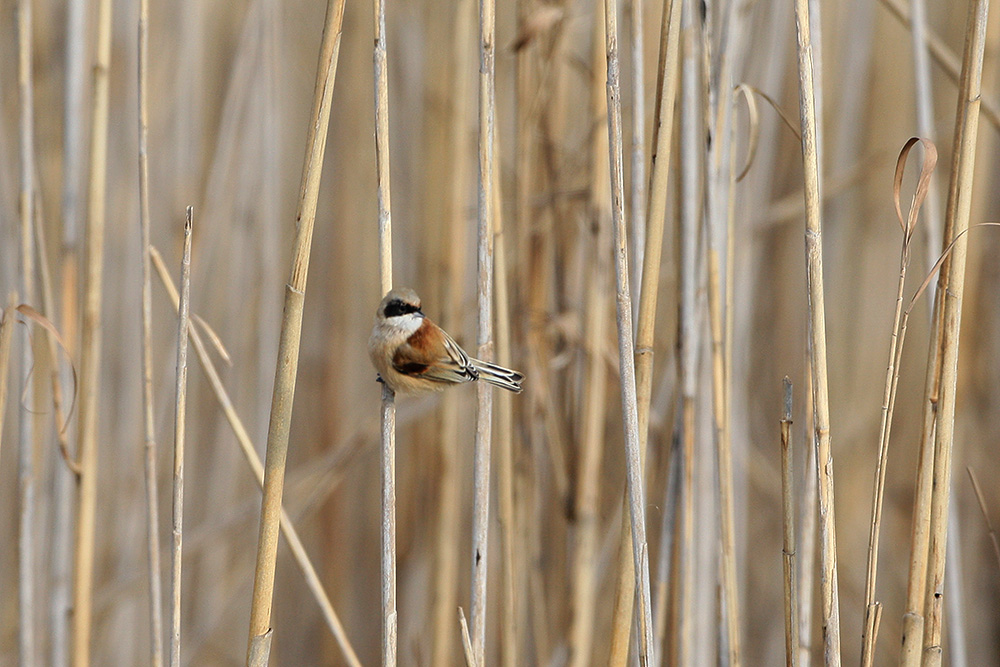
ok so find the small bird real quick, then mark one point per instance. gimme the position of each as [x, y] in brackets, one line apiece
[413, 355]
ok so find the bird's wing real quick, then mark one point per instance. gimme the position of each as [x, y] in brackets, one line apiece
[443, 362]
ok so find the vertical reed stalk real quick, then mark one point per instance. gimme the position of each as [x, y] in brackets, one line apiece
[74, 122]
[807, 532]
[873, 609]
[663, 124]
[257, 468]
[7, 321]
[626, 349]
[637, 201]
[90, 346]
[509, 535]
[26, 434]
[484, 393]
[149, 426]
[388, 407]
[180, 412]
[449, 505]
[692, 149]
[959, 205]
[592, 413]
[288, 346]
[817, 332]
[788, 530]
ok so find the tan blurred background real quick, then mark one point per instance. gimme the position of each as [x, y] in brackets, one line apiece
[231, 88]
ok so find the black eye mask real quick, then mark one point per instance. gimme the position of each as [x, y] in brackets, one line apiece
[396, 308]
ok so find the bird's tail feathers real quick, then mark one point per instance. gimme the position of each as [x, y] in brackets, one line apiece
[499, 376]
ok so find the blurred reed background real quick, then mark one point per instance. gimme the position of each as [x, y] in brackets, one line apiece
[230, 89]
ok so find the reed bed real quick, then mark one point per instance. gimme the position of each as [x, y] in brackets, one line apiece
[612, 184]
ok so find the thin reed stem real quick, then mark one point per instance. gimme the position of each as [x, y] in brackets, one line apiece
[873, 609]
[90, 346]
[663, 124]
[249, 452]
[180, 413]
[27, 427]
[484, 337]
[959, 206]
[788, 531]
[149, 426]
[817, 333]
[593, 407]
[288, 347]
[388, 407]
[449, 510]
[626, 349]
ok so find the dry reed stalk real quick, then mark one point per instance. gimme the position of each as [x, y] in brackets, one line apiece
[626, 349]
[592, 414]
[817, 332]
[149, 426]
[524, 170]
[484, 337]
[449, 509]
[808, 501]
[180, 413]
[873, 609]
[944, 56]
[959, 204]
[6, 336]
[74, 122]
[90, 346]
[256, 467]
[388, 406]
[504, 439]
[663, 124]
[288, 347]
[724, 454]
[637, 200]
[682, 608]
[27, 427]
[788, 530]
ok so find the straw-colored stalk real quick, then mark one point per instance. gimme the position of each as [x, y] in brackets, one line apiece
[666, 94]
[90, 346]
[637, 200]
[788, 531]
[388, 406]
[180, 413]
[26, 435]
[6, 337]
[257, 468]
[724, 454]
[288, 346]
[959, 204]
[807, 531]
[593, 407]
[149, 426]
[873, 609]
[484, 338]
[682, 610]
[74, 157]
[626, 349]
[504, 438]
[817, 332]
[449, 504]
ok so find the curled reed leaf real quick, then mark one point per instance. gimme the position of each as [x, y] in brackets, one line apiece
[923, 183]
[754, 118]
